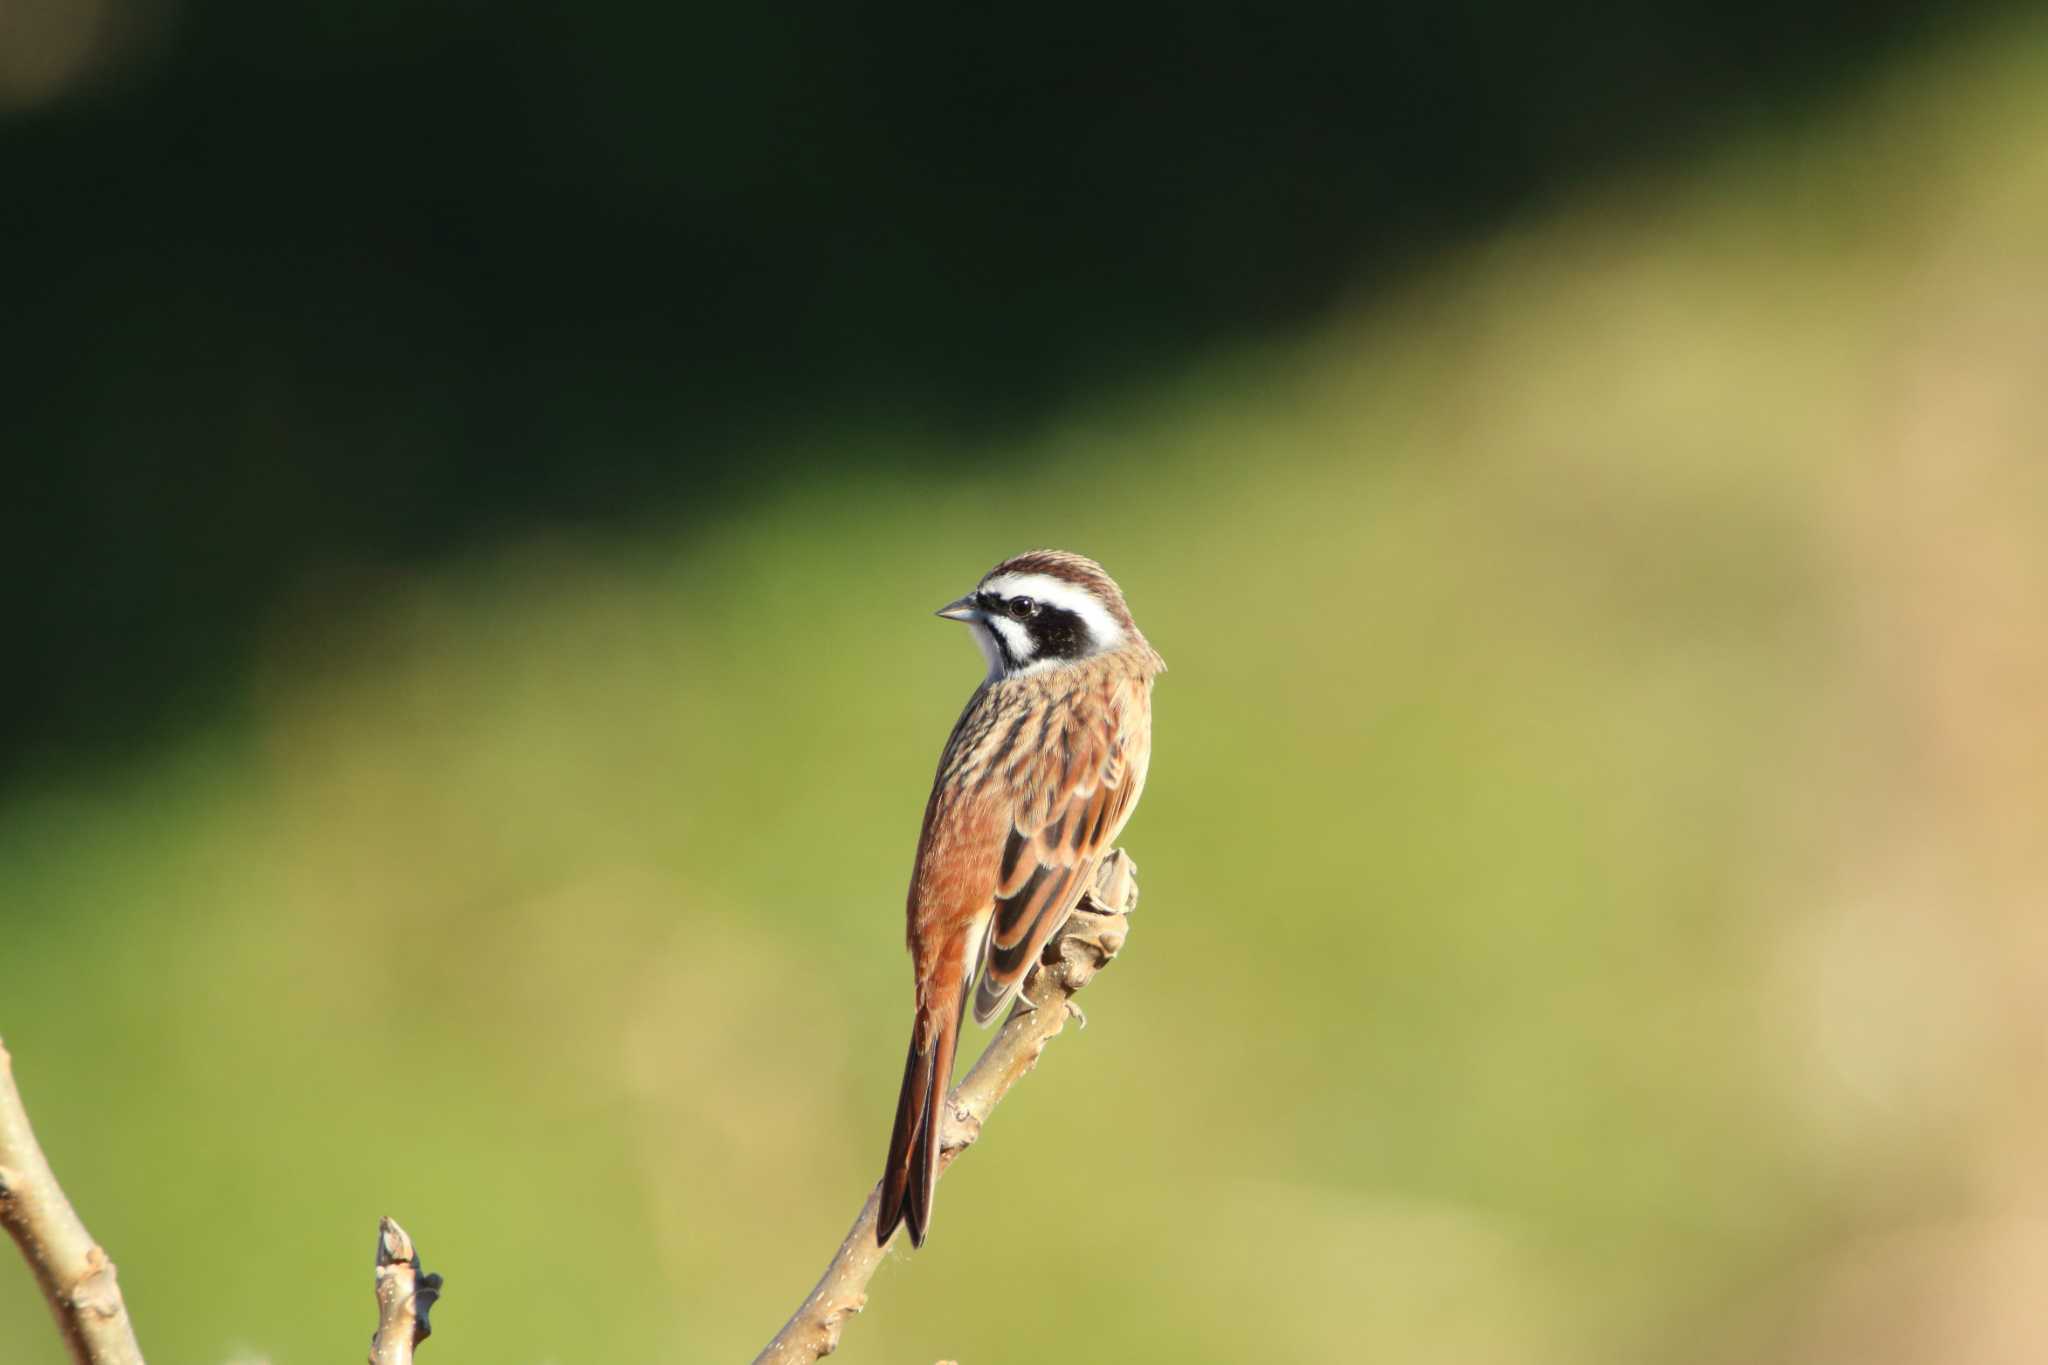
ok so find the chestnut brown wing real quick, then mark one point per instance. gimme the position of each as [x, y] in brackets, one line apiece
[1073, 793]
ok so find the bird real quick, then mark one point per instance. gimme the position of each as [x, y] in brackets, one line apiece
[1035, 784]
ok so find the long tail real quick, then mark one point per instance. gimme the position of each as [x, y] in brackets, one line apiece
[912, 1174]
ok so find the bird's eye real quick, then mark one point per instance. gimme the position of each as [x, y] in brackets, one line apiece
[1023, 608]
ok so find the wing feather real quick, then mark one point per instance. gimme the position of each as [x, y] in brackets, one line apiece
[1072, 805]
[1033, 791]
[1015, 869]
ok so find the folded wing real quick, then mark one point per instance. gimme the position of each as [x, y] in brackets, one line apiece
[1076, 791]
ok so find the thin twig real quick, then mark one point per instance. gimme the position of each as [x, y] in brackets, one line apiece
[1090, 938]
[74, 1273]
[405, 1293]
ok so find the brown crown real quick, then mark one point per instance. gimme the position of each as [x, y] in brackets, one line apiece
[1071, 568]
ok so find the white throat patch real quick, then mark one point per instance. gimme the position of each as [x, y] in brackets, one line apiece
[991, 652]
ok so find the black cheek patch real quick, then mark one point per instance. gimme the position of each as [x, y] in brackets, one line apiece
[1059, 634]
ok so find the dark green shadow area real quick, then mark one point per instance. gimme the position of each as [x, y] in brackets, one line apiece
[338, 285]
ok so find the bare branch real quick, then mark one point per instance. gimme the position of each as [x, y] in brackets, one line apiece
[74, 1273]
[1091, 937]
[78, 1278]
[405, 1293]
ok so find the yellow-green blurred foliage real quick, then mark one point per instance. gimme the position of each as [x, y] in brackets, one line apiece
[1594, 859]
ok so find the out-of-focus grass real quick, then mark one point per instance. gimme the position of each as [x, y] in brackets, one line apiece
[1589, 914]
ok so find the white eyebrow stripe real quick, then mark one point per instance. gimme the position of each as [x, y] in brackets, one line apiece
[1057, 592]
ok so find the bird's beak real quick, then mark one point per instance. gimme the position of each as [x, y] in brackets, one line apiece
[962, 610]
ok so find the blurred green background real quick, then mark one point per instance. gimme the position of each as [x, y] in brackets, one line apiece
[487, 478]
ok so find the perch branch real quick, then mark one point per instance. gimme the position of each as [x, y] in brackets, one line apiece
[1089, 939]
[405, 1293]
[72, 1270]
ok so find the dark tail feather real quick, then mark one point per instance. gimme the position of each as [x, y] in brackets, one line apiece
[912, 1175]
[924, 1159]
[912, 1104]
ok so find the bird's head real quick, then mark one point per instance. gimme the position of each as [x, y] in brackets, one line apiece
[1042, 610]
